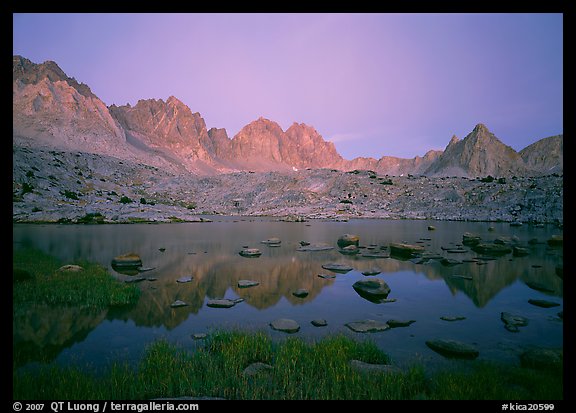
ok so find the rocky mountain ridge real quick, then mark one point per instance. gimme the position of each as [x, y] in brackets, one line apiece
[52, 110]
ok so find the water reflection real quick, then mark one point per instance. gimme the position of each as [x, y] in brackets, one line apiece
[209, 253]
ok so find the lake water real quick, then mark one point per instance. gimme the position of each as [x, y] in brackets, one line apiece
[209, 253]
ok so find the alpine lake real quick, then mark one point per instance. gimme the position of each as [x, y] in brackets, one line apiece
[448, 292]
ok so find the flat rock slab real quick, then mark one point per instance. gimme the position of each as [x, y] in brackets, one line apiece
[315, 247]
[178, 303]
[452, 318]
[134, 280]
[301, 293]
[183, 280]
[364, 367]
[492, 249]
[145, 269]
[327, 276]
[257, 368]
[453, 349]
[512, 321]
[375, 255]
[367, 326]
[286, 325]
[341, 268]
[319, 323]
[372, 271]
[543, 303]
[221, 303]
[464, 277]
[247, 283]
[399, 323]
[250, 252]
[272, 241]
[70, 268]
[457, 250]
[450, 262]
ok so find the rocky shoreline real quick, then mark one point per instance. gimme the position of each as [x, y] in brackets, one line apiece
[51, 186]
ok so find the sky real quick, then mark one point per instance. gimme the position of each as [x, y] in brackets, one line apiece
[374, 84]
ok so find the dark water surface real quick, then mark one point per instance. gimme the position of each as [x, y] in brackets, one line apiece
[209, 253]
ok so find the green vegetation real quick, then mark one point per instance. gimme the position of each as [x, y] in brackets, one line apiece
[93, 288]
[300, 370]
[125, 200]
[26, 188]
[92, 218]
[70, 194]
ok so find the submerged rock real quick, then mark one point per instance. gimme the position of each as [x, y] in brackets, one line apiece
[285, 325]
[399, 323]
[520, 251]
[341, 268]
[327, 276]
[185, 279]
[178, 303]
[463, 276]
[492, 249]
[319, 323]
[372, 271]
[375, 255]
[512, 321]
[367, 326]
[199, 336]
[542, 358]
[543, 303]
[452, 318]
[315, 247]
[471, 239]
[449, 262]
[453, 349]
[301, 293]
[539, 287]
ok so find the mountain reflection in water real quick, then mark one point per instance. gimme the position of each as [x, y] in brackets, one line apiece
[209, 253]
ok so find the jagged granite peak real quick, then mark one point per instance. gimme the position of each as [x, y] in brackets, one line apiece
[480, 153]
[545, 155]
[52, 109]
[23, 70]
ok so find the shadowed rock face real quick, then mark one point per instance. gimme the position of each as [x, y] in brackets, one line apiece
[54, 110]
[480, 153]
[545, 155]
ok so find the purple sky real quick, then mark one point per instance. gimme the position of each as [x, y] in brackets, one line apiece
[374, 84]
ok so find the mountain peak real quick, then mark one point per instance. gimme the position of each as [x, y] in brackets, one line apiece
[480, 128]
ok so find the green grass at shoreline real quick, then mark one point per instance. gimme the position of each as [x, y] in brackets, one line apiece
[320, 370]
[91, 288]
